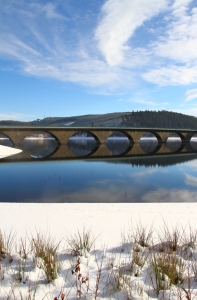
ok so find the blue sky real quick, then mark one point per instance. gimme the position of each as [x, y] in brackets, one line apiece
[76, 57]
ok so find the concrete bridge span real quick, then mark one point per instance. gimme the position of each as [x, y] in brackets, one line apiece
[101, 134]
[62, 135]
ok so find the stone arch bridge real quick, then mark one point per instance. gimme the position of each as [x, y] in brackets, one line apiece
[62, 135]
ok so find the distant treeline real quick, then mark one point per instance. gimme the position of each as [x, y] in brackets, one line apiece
[159, 119]
[150, 119]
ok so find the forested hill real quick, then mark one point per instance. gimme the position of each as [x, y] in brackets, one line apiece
[160, 119]
[150, 119]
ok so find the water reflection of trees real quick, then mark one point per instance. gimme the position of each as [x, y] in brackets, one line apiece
[153, 161]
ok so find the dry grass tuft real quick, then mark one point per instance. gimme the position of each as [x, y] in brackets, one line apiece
[45, 252]
[80, 244]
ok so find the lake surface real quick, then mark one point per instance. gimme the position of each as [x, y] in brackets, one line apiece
[151, 178]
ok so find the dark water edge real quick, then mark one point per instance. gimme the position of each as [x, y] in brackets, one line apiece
[155, 161]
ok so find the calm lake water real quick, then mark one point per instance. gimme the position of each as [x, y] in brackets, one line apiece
[151, 178]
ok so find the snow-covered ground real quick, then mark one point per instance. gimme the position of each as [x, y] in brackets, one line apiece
[118, 266]
[8, 151]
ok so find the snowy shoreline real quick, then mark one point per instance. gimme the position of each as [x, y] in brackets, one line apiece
[107, 223]
[101, 217]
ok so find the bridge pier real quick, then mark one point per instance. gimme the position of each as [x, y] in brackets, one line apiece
[164, 149]
[100, 135]
[102, 151]
[62, 152]
[135, 135]
[187, 148]
[61, 135]
[135, 150]
[187, 136]
[15, 136]
[163, 136]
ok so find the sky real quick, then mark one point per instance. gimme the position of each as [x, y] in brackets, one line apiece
[76, 57]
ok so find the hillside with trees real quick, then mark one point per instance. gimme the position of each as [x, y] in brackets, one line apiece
[139, 119]
[159, 119]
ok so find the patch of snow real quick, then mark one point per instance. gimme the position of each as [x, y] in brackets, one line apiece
[8, 151]
[69, 123]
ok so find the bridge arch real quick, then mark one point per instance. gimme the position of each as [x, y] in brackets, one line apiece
[42, 132]
[175, 145]
[119, 143]
[150, 142]
[86, 131]
[182, 137]
[159, 139]
[94, 136]
[9, 142]
[40, 144]
[81, 144]
[53, 135]
[193, 142]
[123, 131]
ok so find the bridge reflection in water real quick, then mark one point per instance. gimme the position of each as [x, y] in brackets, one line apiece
[100, 143]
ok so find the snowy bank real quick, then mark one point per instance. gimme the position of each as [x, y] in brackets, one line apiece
[8, 151]
[118, 266]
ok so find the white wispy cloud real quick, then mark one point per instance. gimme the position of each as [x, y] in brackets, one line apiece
[191, 94]
[143, 101]
[170, 196]
[180, 43]
[119, 21]
[38, 40]
[44, 51]
[16, 116]
[177, 47]
[143, 173]
[140, 101]
[190, 180]
[189, 111]
[49, 9]
[172, 75]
